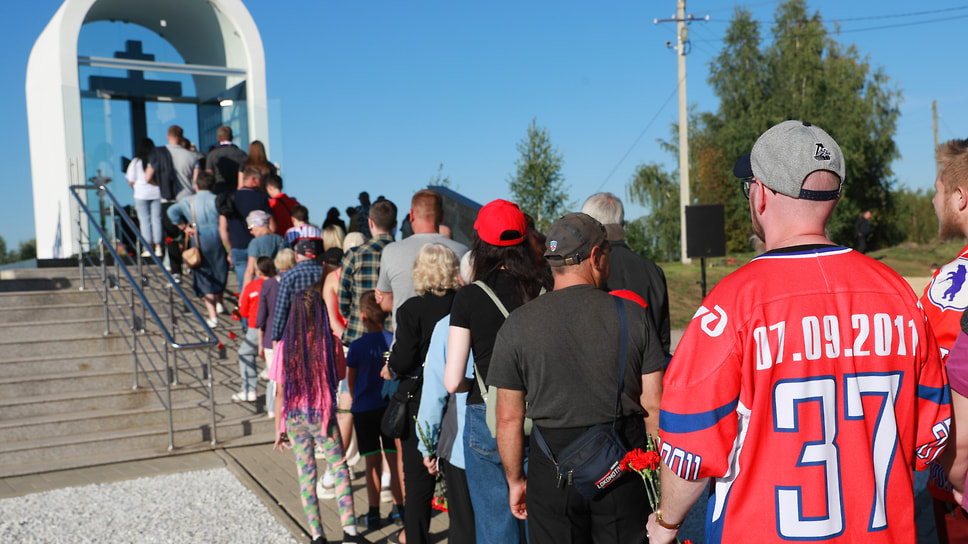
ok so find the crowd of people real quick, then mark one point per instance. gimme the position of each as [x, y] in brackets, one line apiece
[808, 383]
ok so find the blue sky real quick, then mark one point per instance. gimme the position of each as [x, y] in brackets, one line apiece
[375, 95]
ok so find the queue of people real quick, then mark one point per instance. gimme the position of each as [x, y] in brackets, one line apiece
[806, 388]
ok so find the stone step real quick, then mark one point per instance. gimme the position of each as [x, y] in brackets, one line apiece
[42, 365]
[32, 330]
[20, 299]
[126, 398]
[52, 312]
[64, 345]
[94, 421]
[35, 455]
[112, 380]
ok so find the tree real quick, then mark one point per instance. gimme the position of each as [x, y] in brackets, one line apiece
[4, 256]
[656, 238]
[803, 74]
[539, 187]
[440, 180]
[27, 250]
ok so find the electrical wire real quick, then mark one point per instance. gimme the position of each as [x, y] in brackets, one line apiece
[674, 92]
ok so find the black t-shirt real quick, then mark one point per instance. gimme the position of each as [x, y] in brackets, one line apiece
[562, 349]
[475, 311]
[416, 319]
[246, 200]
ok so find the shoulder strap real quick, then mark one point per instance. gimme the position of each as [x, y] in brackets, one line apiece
[623, 358]
[489, 292]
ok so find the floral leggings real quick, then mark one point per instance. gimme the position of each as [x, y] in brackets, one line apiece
[304, 436]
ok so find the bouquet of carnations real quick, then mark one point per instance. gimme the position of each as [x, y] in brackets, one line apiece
[646, 464]
[439, 501]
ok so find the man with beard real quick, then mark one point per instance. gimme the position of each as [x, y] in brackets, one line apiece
[944, 300]
[808, 385]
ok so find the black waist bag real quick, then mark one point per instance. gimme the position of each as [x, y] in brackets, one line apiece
[591, 461]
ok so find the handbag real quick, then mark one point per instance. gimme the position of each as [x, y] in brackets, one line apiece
[591, 462]
[396, 418]
[191, 256]
[489, 394]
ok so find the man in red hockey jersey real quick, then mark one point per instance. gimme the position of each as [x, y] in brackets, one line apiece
[808, 383]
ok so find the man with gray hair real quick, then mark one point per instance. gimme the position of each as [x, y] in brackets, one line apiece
[629, 270]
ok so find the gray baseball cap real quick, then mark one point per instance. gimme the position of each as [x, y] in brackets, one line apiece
[787, 153]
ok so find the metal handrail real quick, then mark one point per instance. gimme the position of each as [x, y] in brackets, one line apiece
[136, 325]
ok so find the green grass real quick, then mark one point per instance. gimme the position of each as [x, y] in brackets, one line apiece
[685, 293]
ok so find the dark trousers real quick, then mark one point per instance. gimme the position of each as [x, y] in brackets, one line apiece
[563, 516]
[459, 508]
[174, 234]
[420, 484]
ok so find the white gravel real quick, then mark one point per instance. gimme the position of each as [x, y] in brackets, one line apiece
[207, 506]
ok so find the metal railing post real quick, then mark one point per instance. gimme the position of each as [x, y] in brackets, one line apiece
[211, 395]
[114, 235]
[134, 344]
[171, 424]
[104, 277]
[80, 246]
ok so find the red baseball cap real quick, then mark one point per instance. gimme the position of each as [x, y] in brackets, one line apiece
[501, 223]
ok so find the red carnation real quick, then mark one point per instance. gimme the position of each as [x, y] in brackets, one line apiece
[168, 240]
[220, 346]
[232, 335]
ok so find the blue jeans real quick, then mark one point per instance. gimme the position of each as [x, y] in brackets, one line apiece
[486, 481]
[149, 217]
[248, 351]
[240, 259]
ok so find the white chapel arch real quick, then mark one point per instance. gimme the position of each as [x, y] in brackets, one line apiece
[217, 39]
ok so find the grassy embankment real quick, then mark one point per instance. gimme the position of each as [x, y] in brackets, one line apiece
[685, 293]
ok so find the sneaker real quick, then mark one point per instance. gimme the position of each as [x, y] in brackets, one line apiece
[395, 538]
[244, 396]
[354, 539]
[177, 278]
[386, 495]
[212, 322]
[158, 252]
[396, 516]
[371, 522]
[325, 492]
[319, 540]
[264, 373]
[219, 309]
[146, 253]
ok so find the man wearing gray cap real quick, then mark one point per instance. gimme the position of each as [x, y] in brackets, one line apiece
[557, 360]
[808, 383]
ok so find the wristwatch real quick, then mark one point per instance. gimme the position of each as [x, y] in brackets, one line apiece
[669, 526]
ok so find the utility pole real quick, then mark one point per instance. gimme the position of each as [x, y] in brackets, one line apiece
[682, 38]
[934, 115]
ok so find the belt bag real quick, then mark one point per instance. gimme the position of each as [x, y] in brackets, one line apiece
[591, 462]
[397, 417]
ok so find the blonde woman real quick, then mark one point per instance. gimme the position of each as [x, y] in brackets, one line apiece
[435, 280]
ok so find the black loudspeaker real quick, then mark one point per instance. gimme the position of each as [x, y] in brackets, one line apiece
[705, 231]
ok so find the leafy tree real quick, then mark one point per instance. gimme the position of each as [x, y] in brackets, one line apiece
[27, 250]
[539, 187]
[802, 74]
[440, 179]
[913, 214]
[4, 257]
[656, 237]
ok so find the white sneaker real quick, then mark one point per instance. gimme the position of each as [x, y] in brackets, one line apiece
[326, 487]
[146, 253]
[386, 495]
[264, 374]
[212, 322]
[219, 309]
[243, 396]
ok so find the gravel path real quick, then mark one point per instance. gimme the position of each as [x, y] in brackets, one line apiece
[205, 507]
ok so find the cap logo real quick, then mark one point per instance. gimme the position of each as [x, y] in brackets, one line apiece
[553, 245]
[822, 153]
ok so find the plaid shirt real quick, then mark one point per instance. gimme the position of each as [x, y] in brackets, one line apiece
[300, 278]
[359, 273]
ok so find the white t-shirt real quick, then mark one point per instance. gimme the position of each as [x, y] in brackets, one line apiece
[142, 189]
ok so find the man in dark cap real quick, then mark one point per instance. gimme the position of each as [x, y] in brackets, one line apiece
[561, 354]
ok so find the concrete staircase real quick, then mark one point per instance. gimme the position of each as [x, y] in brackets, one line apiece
[66, 388]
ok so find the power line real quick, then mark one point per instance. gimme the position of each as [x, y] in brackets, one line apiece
[898, 15]
[898, 25]
[675, 91]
